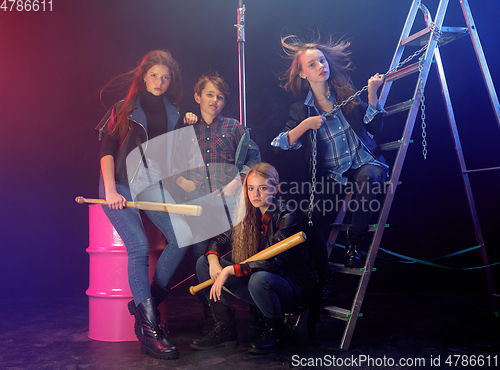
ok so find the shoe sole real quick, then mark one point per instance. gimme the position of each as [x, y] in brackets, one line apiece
[229, 344]
[163, 356]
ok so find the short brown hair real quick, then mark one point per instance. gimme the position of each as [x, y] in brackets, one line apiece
[218, 82]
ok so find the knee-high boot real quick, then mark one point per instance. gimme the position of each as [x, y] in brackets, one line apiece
[154, 339]
[223, 333]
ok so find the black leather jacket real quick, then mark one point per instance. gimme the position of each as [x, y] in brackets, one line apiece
[295, 264]
[136, 136]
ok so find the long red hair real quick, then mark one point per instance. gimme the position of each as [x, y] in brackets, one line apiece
[137, 86]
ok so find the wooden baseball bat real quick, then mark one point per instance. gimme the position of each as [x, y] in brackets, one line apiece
[265, 254]
[183, 209]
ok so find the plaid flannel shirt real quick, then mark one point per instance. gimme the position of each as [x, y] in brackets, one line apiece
[218, 143]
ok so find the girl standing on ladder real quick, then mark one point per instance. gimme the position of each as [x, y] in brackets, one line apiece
[338, 137]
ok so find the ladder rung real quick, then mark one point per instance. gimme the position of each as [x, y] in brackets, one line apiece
[339, 313]
[390, 146]
[345, 227]
[402, 72]
[417, 38]
[483, 169]
[400, 107]
[448, 34]
[337, 267]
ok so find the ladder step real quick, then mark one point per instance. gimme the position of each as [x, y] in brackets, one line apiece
[338, 267]
[448, 35]
[483, 169]
[339, 313]
[402, 72]
[392, 145]
[345, 227]
[400, 107]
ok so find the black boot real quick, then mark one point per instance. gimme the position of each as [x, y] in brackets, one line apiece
[223, 333]
[159, 293]
[208, 320]
[352, 256]
[154, 339]
[272, 338]
[256, 319]
[328, 289]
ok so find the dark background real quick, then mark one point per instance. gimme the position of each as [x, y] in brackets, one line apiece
[53, 64]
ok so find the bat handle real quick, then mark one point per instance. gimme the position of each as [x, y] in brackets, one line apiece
[195, 289]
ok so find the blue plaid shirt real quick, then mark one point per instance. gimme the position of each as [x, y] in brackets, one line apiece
[338, 145]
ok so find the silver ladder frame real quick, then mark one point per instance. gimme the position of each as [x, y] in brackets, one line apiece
[425, 36]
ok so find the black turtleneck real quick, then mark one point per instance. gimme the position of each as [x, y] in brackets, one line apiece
[155, 114]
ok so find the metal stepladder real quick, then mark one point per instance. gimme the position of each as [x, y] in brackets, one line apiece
[431, 37]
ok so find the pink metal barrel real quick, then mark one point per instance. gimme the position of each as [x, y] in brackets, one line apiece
[109, 291]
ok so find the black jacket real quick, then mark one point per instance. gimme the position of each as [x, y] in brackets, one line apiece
[295, 264]
[136, 135]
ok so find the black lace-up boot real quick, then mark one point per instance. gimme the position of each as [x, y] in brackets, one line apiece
[154, 339]
[208, 320]
[256, 319]
[352, 256]
[159, 294]
[223, 333]
[272, 338]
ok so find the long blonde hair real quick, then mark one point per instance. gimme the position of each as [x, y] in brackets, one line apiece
[338, 62]
[247, 232]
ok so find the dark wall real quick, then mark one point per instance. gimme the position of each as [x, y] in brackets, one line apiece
[53, 64]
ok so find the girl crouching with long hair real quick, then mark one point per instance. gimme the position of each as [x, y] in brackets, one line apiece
[275, 286]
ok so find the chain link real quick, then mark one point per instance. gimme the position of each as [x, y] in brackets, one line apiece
[422, 106]
[314, 166]
[436, 32]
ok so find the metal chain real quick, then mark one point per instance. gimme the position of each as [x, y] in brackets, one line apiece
[437, 35]
[422, 106]
[313, 188]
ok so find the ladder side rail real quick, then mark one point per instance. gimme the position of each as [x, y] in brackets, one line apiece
[410, 19]
[372, 252]
[481, 58]
[465, 176]
[405, 141]
[458, 144]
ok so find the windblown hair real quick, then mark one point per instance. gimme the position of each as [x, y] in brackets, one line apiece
[137, 86]
[218, 82]
[338, 61]
[247, 232]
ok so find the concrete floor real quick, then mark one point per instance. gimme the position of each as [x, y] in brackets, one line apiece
[394, 327]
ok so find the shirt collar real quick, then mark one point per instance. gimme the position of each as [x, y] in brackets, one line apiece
[215, 120]
[309, 101]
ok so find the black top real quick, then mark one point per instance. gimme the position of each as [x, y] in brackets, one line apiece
[156, 115]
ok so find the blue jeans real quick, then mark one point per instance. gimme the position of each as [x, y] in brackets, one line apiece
[271, 293]
[128, 224]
